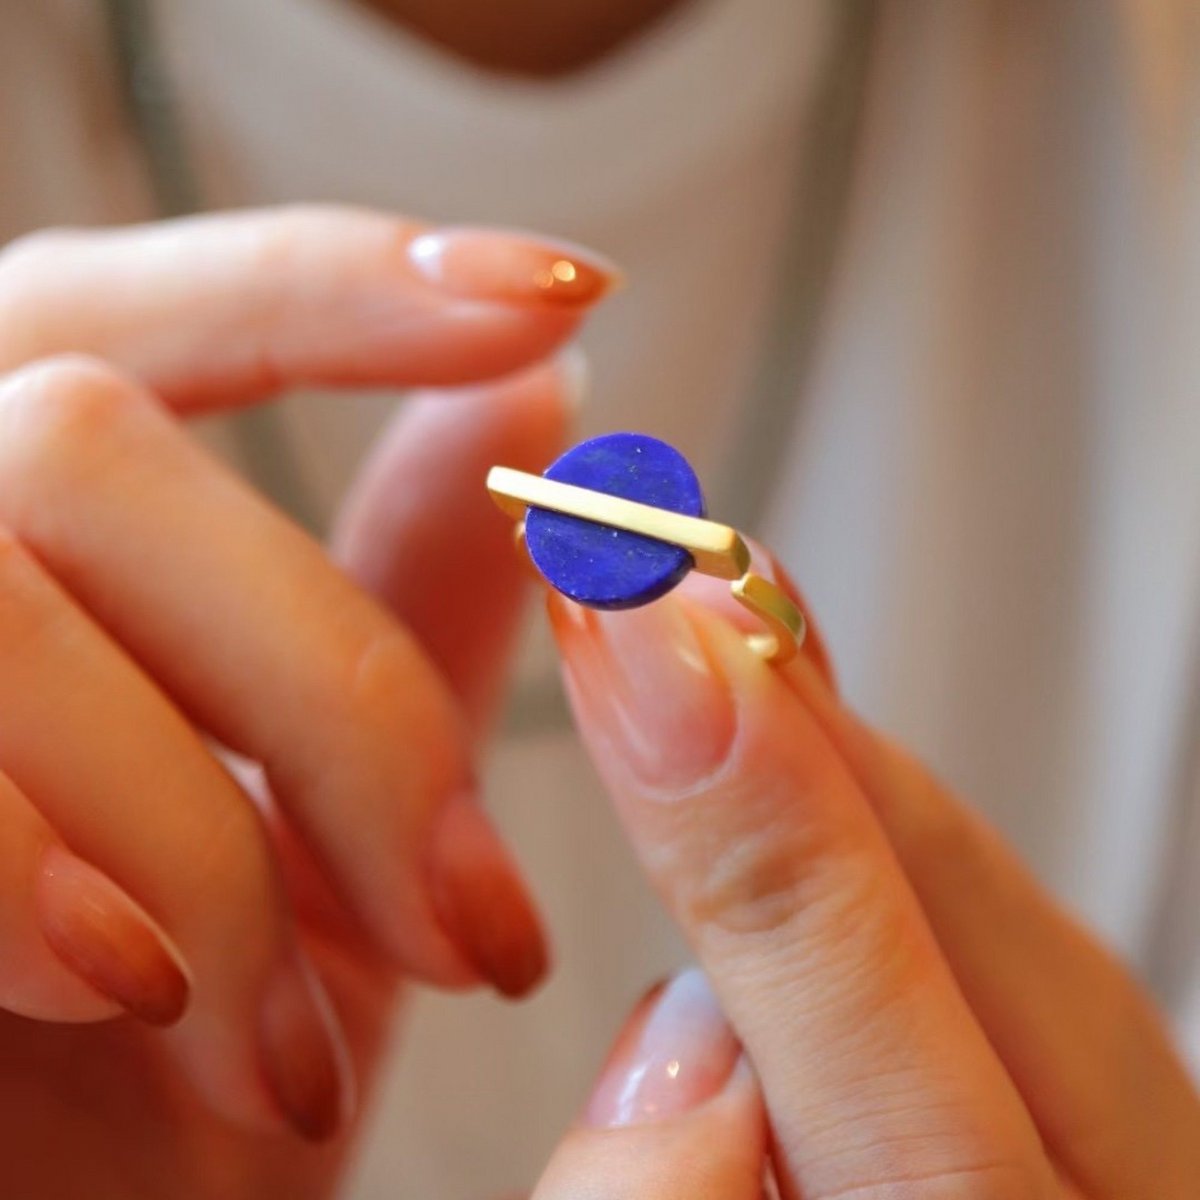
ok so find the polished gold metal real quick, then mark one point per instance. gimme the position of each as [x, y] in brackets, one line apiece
[716, 549]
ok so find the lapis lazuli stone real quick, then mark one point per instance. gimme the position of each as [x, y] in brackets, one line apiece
[604, 567]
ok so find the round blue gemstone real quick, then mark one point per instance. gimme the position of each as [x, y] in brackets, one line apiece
[596, 564]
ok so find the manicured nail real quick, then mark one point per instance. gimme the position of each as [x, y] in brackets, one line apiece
[507, 268]
[676, 1052]
[303, 1055]
[647, 686]
[482, 902]
[108, 940]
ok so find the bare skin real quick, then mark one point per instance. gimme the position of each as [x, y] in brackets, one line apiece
[276, 1010]
[527, 37]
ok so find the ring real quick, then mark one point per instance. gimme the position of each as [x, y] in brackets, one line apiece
[619, 520]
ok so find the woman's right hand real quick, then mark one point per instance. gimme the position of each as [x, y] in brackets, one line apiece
[151, 605]
[922, 1020]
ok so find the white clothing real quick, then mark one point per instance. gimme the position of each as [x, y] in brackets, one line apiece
[991, 494]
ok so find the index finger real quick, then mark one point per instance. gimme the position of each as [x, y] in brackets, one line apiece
[214, 311]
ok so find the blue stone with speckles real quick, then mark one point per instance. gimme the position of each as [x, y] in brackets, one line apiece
[604, 567]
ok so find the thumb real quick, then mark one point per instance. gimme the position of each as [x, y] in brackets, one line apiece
[675, 1114]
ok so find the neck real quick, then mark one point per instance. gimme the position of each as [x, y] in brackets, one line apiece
[526, 37]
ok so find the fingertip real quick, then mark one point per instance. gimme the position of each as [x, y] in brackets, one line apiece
[482, 901]
[303, 1054]
[675, 1052]
[676, 1110]
[108, 940]
[511, 267]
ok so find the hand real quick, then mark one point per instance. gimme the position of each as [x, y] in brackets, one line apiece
[155, 610]
[921, 1019]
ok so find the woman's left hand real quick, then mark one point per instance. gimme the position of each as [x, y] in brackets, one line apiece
[154, 610]
[922, 1020]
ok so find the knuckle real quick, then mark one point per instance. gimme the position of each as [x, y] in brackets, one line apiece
[788, 888]
[59, 406]
[24, 259]
[369, 669]
[299, 216]
[776, 865]
[751, 885]
[386, 674]
[371, 689]
[286, 240]
[293, 229]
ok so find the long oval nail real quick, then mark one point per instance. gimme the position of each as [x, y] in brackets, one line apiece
[109, 940]
[481, 900]
[646, 684]
[676, 1052]
[508, 268]
[303, 1054]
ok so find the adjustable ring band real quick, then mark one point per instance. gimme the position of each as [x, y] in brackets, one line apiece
[590, 532]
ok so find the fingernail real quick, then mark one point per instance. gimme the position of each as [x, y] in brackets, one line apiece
[303, 1054]
[507, 268]
[108, 940]
[676, 1052]
[646, 684]
[482, 902]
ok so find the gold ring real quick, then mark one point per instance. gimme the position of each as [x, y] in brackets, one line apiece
[604, 546]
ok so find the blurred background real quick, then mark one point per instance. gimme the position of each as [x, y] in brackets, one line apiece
[913, 283]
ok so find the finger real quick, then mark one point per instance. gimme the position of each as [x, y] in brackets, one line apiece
[243, 620]
[875, 1073]
[1079, 1038]
[676, 1114]
[162, 842]
[216, 310]
[420, 531]
[1046, 993]
[73, 945]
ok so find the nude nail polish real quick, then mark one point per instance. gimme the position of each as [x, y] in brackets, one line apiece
[509, 268]
[303, 1054]
[108, 940]
[676, 1052]
[646, 683]
[482, 902]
